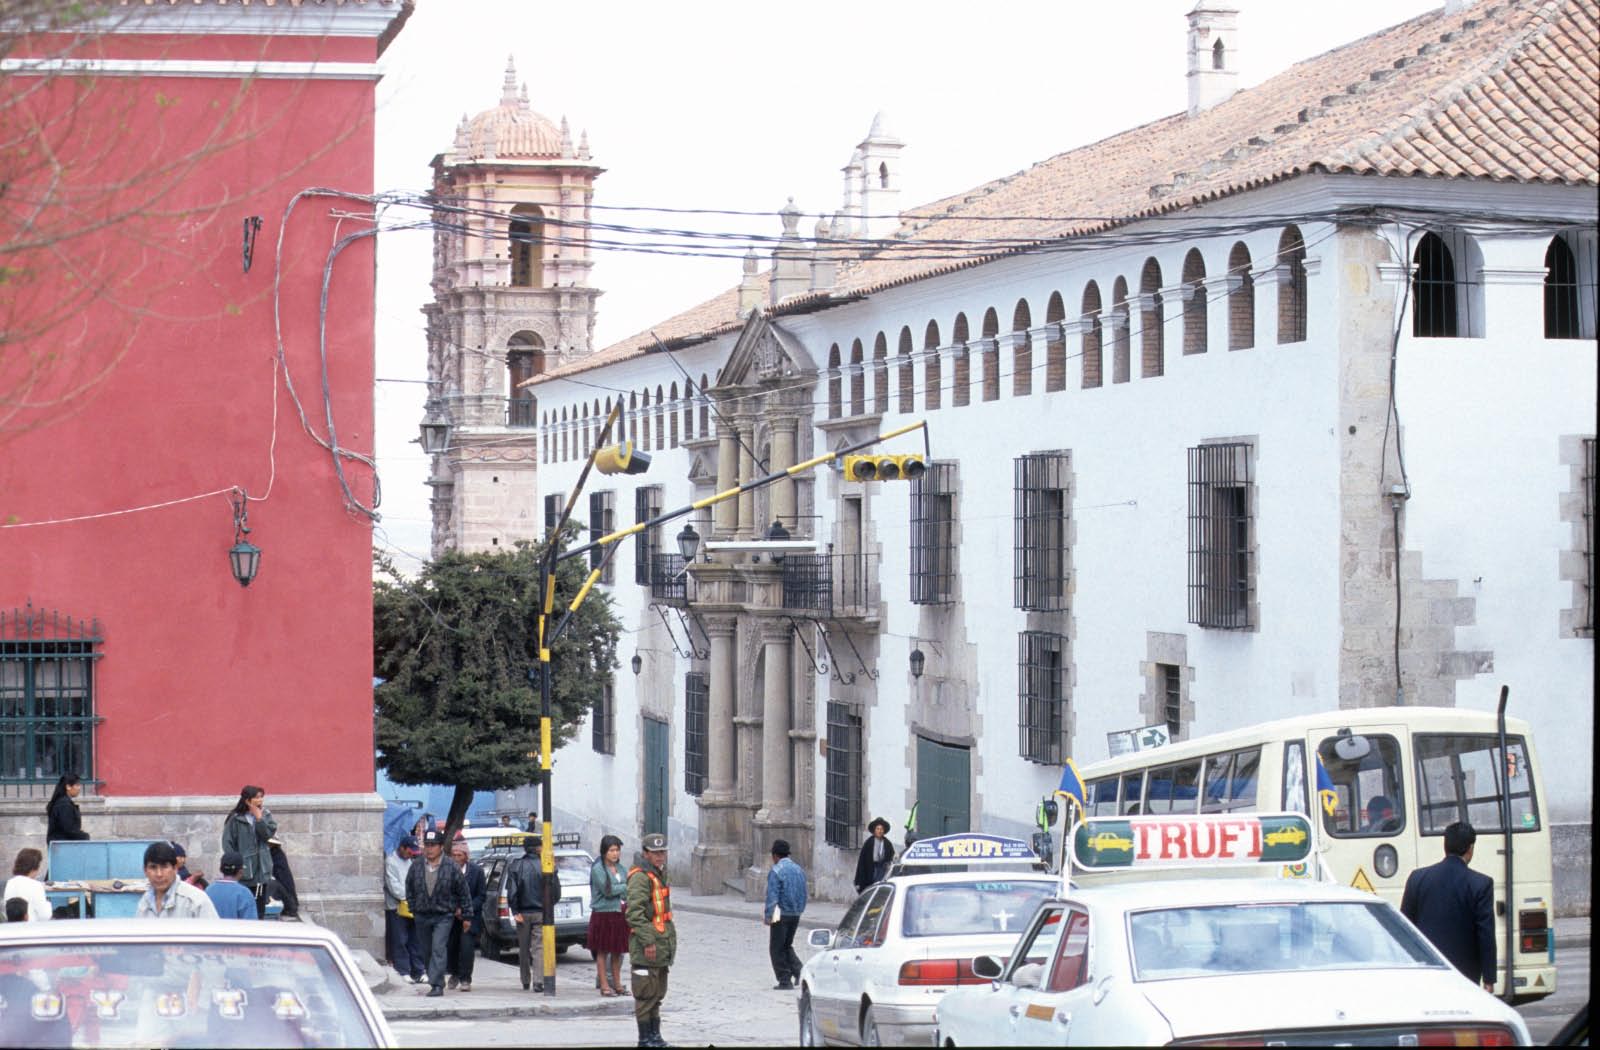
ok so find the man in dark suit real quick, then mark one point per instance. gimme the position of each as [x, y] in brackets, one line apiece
[1454, 906]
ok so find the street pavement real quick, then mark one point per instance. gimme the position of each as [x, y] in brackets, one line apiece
[721, 990]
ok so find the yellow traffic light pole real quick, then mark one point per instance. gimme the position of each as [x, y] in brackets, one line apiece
[612, 460]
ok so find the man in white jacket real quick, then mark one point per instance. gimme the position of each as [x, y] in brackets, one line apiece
[401, 934]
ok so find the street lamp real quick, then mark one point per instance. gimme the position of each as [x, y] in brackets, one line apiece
[435, 430]
[637, 663]
[688, 542]
[244, 557]
[918, 661]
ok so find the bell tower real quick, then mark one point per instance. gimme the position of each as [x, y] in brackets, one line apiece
[511, 299]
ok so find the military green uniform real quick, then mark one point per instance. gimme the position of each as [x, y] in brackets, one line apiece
[650, 924]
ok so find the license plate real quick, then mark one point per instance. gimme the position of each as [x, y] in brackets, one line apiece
[568, 910]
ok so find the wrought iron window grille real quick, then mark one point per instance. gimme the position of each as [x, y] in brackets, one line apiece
[47, 703]
[602, 722]
[602, 522]
[1221, 557]
[933, 536]
[696, 715]
[1040, 528]
[842, 808]
[646, 544]
[1042, 696]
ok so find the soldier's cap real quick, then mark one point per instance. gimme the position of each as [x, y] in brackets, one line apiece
[655, 842]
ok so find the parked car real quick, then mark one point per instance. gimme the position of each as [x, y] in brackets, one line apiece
[911, 938]
[192, 982]
[499, 930]
[1212, 961]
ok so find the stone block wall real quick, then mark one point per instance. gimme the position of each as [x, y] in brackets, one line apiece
[334, 844]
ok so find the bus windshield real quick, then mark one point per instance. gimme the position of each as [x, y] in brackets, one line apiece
[1367, 774]
[1459, 778]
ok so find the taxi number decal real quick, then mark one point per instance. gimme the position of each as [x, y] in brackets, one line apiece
[1361, 882]
[1041, 1011]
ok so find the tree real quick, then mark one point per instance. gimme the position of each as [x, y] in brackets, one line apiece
[454, 647]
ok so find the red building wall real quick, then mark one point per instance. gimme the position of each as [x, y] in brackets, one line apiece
[167, 388]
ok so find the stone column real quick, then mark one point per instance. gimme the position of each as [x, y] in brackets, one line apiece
[719, 716]
[725, 515]
[783, 492]
[746, 527]
[777, 788]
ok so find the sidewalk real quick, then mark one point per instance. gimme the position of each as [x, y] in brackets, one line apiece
[818, 914]
[496, 992]
[1570, 933]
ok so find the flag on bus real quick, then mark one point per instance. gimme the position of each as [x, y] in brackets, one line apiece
[1072, 786]
[1325, 791]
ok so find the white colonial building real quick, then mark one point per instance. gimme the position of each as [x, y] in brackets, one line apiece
[1302, 418]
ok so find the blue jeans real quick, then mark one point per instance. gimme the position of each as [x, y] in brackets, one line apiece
[404, 953]
[433, 931]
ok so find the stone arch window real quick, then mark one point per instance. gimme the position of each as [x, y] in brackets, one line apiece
[1055, 344]
[661, 422]
[1022, 352]
[630, 422]
[561, 428]
[931, 368]
[1444, 300]
[705, 405]
[1194, 303]
[1291, 286]
[643, 440]
[599, 423]
[1121, 349]
[672, 397]
[883, 175]
[835, 383]
[1093, 357]
[580, 442]
[544, 438]
[524, 360]
[961, 383]
[1152, 321]
[880, 375]
[1219, 56]
[858, 387]
[991, 355]
[908, 375]
[1241, 299]
[525, 245]
[688, 410]
[1569, 299]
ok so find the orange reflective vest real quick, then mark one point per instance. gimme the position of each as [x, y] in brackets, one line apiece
[660, 898]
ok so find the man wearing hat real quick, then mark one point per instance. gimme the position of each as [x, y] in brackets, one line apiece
[404, 954]
[653, 939]
[436, 892]
[231, 898]
[525, 882]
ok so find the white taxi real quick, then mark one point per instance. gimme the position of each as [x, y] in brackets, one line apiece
[1220, 961]
[911, 938]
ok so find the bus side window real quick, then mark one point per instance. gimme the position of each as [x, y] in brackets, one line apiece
[1102, 797]
[1217, 776]
[1369, 783]
[1131, 796]
[1294, 778]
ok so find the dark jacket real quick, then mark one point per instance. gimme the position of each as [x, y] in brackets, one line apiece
[250, 842]
[477, 890]
[1454, 906]
[868, 873]
[65, 821]
[449, 889]
[525, 880]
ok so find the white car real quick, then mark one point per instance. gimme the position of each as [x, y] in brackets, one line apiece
[902, 945]
[182, 982]
[1223, 961]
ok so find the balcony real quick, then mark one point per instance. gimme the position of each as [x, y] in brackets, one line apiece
[669, 583]
[831, 586]
[521, 412]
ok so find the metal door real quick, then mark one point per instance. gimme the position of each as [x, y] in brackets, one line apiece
[656, 736]
[944, 788]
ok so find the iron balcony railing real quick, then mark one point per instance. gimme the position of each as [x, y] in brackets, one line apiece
[520, 412]
[831, 585]
[669, 583]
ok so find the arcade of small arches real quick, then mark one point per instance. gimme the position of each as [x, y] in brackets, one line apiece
[676, 419]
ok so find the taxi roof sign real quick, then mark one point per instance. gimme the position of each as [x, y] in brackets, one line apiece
[1190, 840]
[968, 848]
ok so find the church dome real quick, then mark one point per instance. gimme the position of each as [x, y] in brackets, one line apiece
[512, 129]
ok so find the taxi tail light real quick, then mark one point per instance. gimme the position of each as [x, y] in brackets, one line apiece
[1466, 1035]
[938, 972]
[504, 910]
[1535, 924]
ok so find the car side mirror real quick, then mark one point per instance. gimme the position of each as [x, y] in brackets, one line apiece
[987, 967]
[819, 938]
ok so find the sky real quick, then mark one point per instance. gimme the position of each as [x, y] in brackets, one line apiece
[741, 106]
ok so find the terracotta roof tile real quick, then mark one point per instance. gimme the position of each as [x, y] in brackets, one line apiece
[1501, 90]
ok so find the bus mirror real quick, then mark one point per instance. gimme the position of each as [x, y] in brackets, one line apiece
[1048, 811]
[1350, 747]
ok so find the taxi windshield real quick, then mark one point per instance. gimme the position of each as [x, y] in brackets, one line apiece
[998, 905]
[572, 865]
[1272, 938]
[178, 993]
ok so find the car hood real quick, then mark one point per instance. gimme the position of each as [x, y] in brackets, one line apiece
[1322, 999]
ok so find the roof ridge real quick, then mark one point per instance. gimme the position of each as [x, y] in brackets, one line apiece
[1436, 105]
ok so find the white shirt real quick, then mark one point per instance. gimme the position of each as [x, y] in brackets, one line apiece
[182, 901]
[32, 891]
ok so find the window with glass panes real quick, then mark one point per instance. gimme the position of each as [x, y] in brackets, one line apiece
[646, 544]
[47, 714]
[842, 805]
[602, 721]
[696, 715]
[933, 535]
[602, 522]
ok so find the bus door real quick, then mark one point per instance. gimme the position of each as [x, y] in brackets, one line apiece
[1370, 836]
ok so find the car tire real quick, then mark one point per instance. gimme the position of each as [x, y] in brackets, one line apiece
[809, 1036]
[869, 1028]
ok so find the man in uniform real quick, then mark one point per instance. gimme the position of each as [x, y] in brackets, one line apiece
[653, 938]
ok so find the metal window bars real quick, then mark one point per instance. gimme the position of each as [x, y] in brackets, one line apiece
[47, 719]
[831, 585]
[933, 536]
[1221, 560]
[1039, 547]
[602, 522]
[696, 713]
[669, 583]
[1562, 319]
[602, 722]
[647, 543]
[1433, 290]
[843, 800]
[521, 412]
[1042, 696]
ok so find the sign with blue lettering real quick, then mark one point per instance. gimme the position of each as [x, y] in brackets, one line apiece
[968, 849]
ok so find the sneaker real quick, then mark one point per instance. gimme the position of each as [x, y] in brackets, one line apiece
[451, 983]
[466, 986]
[435, 991]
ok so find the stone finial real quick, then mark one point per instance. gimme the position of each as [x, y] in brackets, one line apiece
[583, 144]
[522, 97]
[750, 284]
[508, 91]
[566, 138]
[791, 220]
[751, 262]
[822, 229]
[461, 134]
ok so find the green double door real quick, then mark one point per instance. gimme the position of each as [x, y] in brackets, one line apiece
[657, 737]
[944, 788]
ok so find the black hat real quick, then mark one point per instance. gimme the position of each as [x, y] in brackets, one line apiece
[433, 838]
[231, 863]
[879, 822]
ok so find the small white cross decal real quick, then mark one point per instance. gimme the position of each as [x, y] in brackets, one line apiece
[1004, 918]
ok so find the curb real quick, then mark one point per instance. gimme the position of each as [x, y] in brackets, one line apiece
[462, 1011]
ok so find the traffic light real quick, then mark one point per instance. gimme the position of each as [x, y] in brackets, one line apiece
[884, 467]
[621, 459]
